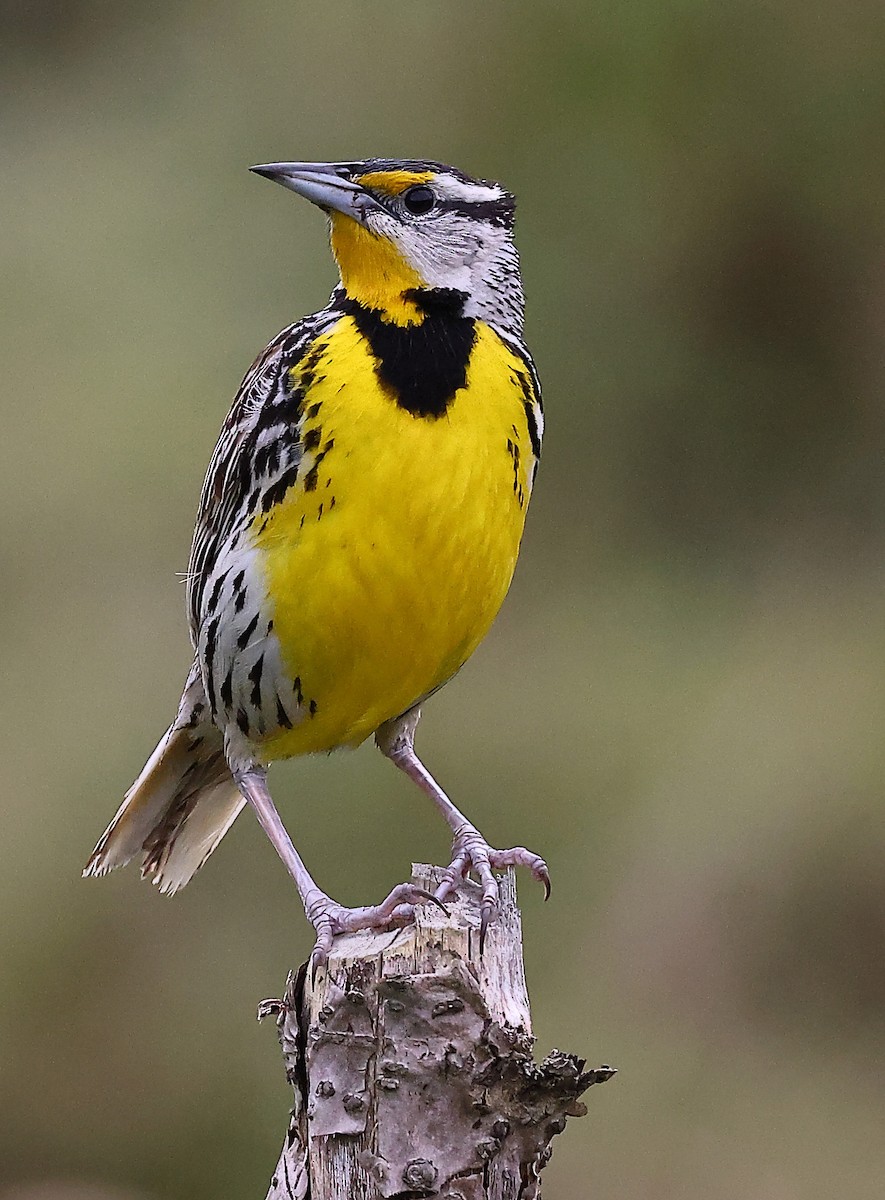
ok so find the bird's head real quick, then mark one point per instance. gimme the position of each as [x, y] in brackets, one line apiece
[400, 228]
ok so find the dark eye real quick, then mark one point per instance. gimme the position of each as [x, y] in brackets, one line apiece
[419, 200]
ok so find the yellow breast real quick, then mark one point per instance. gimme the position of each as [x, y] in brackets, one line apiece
[388, 561]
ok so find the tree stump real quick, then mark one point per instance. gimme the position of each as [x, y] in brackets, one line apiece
[411, 1062]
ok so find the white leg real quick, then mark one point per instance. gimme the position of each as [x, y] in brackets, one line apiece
[470, 850]
[326, 916]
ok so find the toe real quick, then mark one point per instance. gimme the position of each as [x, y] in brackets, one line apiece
[452, 876]
[518, 856]
[320, 954]
[410, 893]
[398, 908]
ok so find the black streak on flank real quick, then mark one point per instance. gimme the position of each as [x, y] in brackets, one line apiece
[209, 657]
[528, 398]
[216, 592]
[255, 680]
[310, 479]
[277, 490]
[282, 715]
[266, 460]
[243, 639]
[311, 361]
[421, 366]
[227, 689]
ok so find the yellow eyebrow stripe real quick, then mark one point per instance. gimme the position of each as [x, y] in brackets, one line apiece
[393, 183]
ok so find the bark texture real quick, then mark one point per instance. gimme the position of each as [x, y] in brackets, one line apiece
[411, 1062]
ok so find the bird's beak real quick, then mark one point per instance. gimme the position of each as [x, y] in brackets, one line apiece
[327, 185]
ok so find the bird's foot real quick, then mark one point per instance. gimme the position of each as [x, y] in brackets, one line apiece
[471, 852]
[328, 917]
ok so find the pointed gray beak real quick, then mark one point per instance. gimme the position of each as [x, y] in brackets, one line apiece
[327, 185]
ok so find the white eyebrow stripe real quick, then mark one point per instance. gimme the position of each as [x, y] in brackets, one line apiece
[451, 188]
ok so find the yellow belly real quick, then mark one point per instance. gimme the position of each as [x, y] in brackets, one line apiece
[387, 563]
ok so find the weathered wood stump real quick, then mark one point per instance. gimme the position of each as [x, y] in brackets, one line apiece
[411, 1062]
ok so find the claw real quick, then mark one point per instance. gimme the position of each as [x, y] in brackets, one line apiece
[318, 958]
[432, 899]
[488, 908]
[417, 893]
[542, 874]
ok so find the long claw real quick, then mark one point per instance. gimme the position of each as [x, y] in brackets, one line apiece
[319, 956]
[405, 895]
[432, 899]
[416, 893]
[488, 907]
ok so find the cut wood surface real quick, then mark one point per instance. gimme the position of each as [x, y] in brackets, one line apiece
[410, 1057]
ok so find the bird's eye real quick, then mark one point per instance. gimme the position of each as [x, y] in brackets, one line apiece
[419, 200]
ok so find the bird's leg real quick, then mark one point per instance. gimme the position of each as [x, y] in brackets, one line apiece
[326, 916]
[470, 850]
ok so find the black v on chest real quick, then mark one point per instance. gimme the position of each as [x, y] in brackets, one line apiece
[420, 366]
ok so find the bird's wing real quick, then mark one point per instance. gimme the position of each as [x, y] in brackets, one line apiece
[534, 407]
[531, 398]
[259, 444]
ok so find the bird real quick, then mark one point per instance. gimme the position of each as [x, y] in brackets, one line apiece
[357, 529]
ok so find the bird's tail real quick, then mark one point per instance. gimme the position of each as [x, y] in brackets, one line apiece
[181, 805]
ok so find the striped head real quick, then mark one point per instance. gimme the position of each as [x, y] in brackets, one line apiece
[400, 227]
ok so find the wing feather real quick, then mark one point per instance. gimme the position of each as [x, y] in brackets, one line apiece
[259, 443]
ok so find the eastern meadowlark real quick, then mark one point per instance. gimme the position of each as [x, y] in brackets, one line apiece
[358, 527]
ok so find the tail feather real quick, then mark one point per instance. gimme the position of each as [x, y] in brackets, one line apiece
[181, 805]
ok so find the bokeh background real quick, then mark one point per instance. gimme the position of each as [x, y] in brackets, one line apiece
[683, 703]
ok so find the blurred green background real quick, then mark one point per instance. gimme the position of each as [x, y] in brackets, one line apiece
[682, 705]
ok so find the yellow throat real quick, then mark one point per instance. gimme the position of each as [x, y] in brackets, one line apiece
[373, 272]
